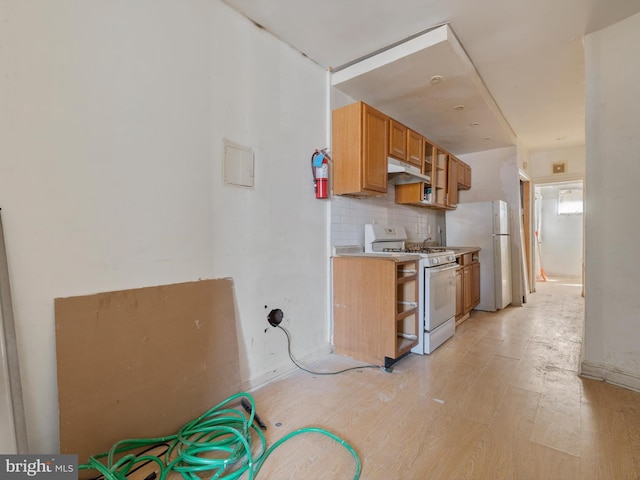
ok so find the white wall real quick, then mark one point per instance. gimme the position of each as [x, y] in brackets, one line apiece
[112, 120]
[560, 236]
[541, 164]
[495, 176]
[612, 256]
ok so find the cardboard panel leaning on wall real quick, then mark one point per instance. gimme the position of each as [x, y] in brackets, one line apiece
[141, 363]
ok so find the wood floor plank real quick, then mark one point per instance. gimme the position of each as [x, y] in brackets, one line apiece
[530, 374]
[544, 463]
[513, 346]
[441, 452]
[606, 451]
[484, 394]
[557, 423]
[631, 415]
[500, 400]
[505, 438]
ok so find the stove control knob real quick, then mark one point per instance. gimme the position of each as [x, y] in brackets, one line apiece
[434, 261]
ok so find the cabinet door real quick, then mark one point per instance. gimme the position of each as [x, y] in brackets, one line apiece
[397, 140]
[464, 176]
[459, 293]
[467, 280]
[429, 155]
[374, 150]
[415, 148]
[439, 177]
[467, 176]
[461, 168]
[475, 297]
[452, 187]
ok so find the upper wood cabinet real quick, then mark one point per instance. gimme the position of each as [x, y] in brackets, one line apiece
[442, 190]
[397, 140]
[415, 148]
[452, 184]
[464, 176]
[429, 152]
[360, 147]
[439, 177]
[363, 140]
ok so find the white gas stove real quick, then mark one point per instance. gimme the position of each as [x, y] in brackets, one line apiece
[437, 282]
[393, 239]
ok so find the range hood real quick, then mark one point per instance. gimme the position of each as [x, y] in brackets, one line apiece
[400, 173]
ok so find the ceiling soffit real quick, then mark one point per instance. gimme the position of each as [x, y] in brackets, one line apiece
[429, 84]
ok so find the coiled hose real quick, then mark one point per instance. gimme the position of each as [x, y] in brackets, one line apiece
[218, 442]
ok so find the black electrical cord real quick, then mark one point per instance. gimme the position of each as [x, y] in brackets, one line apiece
[165, 447]
[323, 373]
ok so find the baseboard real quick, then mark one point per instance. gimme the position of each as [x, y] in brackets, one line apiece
[610, 375]
[284, 369]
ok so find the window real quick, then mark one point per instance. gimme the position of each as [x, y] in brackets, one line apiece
[570, 201]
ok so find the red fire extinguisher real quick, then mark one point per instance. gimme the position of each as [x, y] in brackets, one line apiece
[320, 169]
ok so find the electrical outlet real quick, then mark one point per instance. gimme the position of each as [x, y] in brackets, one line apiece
[429, 229]
[417, 228]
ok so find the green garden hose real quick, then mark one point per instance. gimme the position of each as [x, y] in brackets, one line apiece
[218, 442]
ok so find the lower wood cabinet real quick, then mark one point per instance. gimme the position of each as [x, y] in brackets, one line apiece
[467, 279]
[467, 285]
[459, 293]
[475, 283]
[375, 307]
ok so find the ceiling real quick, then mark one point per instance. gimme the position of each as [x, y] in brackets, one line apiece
[517, 68]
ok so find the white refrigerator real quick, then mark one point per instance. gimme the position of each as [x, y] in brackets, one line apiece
[485, 225]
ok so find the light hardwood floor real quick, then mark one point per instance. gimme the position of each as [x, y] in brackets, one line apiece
[501, 400]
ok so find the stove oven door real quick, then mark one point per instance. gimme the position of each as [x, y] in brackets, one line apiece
[439, 295]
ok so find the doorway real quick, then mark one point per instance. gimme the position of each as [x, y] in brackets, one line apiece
[558, 219]
[525, 236]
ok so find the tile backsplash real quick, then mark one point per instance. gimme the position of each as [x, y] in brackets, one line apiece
[349, 215]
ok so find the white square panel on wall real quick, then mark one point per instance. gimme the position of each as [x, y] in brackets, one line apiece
[238, 166]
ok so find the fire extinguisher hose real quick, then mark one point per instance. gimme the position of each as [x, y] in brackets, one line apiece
[313, 168]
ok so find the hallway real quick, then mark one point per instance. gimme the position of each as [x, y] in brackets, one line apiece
[501, 399]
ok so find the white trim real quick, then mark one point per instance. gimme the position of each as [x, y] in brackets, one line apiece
[551, 180]
[284, 369]
[610, 375]
[524, 176]
[328, 140]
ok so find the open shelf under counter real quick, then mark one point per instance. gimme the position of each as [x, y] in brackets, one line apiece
[375, 306]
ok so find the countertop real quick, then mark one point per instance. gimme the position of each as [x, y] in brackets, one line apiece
[358, 251]
[463, 250]
[395, 257]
